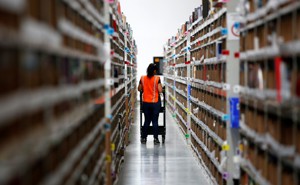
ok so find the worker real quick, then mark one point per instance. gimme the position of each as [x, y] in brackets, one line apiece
[150, 85]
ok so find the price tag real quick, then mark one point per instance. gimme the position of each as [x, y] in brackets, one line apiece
[107, 127]
[225, 175]
[236, 159]
[225, 117]
[109, 81]
[226, 87]
[241, 147]
[236, 89]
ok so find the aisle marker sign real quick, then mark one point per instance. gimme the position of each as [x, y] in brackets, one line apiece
[233, 26]
[234, 112]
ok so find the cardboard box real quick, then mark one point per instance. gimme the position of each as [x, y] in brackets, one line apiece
[287, 175]
[271, 83]
[242, 41]
[273, 124]
[262, 36]
[34, 9]
[298, 139]
[250, 40]
[30, 71]
[286, 28]
[286, 132]
[260, 121]
[252, 154]
[271, 28]
[298, 24]
[262, 163]
[9, 19]
[272, 169]
[224, 134]
[252, 6]
[9, 71]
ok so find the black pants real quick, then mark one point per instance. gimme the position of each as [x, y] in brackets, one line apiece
[151, 112]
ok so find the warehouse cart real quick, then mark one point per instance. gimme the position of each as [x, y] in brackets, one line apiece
[161, 128]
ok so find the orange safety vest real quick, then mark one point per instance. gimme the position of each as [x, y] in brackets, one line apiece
[150, 89]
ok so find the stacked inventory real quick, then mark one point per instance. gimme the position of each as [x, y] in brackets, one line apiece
[123, 51]
[197, 88]
[200, 71]
[52, 104]
[269, 73]
[208, 98]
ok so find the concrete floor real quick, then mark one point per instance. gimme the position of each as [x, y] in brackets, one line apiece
[171, 163]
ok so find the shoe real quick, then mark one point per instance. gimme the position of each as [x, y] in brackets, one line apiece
[156, 142]
[143, 140]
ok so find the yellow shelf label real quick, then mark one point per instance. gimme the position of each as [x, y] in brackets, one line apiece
[241, 147]
[108, 158]
[226, 147]
[113, 147]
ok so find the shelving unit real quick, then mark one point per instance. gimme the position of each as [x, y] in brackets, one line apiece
[68, 75]
[198, 74]
[247, 59]
[270, 92]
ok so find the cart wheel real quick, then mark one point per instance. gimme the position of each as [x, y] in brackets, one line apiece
[163, 139]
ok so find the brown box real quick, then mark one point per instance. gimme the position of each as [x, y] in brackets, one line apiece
[286, 28]
[251, 154]
[271, 28]
[34, 9]
[252, 6]
[224, 20]
[287, 175]
[298, 24]
[272, 170]
[262, 36]
[298, 139]
[49, 70]
[248, 118]
[242, 41]
[273, 126]
[262, 163]
[260, 121]
[9, 67]
[270, 80]
[250, 40]
[286, 132]
[30, 71]
[224, 135]
[9, 19]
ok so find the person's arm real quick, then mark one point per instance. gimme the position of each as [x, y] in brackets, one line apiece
[160, 89]
[140, 87]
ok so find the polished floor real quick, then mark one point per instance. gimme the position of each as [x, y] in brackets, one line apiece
[171, 163]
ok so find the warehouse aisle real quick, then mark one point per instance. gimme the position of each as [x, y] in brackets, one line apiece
[171, 163]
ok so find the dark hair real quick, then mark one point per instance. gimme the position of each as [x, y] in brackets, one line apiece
[150, 70]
